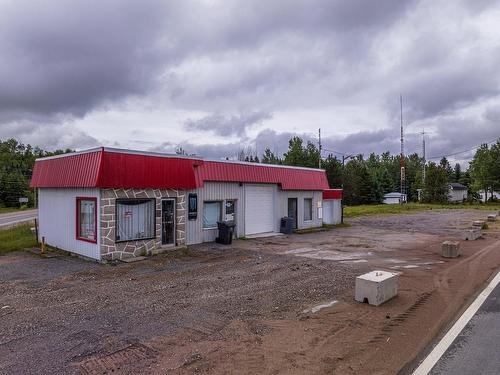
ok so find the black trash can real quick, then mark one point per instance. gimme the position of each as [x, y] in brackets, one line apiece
[226, 230]
[286, 225]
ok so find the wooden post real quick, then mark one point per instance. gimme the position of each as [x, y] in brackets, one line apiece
[36, 229]
[42, 248]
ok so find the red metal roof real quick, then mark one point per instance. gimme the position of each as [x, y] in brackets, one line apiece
[289, 178]
[110, 168]
[78, 170]
[332, 194]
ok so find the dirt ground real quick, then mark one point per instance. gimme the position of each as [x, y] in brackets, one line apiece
[248, 308]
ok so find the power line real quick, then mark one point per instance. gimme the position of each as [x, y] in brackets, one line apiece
[461, 152]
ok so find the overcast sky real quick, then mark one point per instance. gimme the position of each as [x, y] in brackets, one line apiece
[216, 77]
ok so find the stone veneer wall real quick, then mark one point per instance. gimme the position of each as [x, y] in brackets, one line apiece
[111, 250]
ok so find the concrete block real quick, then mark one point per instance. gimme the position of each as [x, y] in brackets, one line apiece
[471, 234]
[492, 217]
[376, 287]
[451, 249]
[478, 223]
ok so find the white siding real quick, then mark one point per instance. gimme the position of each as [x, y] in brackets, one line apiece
[282, 207]
[391, 201]
[215, 191]
[457, 195]
[57, 220]
[332, 211]
[259, 209]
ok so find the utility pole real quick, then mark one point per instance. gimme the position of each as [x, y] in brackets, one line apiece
[402, 162]
[423, 157]
[344, 158]
[320, 147]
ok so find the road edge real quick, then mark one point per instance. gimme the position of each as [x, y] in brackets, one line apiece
[440, 348]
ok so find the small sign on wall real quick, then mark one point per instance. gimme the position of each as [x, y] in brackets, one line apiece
[23, 200]
[320, 212]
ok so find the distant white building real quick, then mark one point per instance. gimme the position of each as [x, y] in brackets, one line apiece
[494, 194]
[394, 198]
[457, 192]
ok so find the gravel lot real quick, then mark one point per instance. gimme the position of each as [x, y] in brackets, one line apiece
[235, 309]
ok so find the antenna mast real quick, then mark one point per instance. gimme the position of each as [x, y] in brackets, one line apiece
[320, 147]
[402, 162]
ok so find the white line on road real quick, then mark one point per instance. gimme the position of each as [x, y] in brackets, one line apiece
[17, 221]
[430, 361]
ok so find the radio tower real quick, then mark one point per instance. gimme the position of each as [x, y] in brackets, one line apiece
[402, 162]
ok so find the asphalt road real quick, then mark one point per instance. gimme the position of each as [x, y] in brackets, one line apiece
[476, 350]
[13, 218]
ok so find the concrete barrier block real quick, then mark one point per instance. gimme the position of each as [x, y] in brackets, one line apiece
[478, 223]
[471, 234]
[492, 217]
[376, 287]
[450, 249]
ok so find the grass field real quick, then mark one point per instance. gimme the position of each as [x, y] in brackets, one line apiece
[5, 210]
[380, 209]
[16, 238]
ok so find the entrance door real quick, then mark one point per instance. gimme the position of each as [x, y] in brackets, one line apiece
[168, 222]
[292, 210]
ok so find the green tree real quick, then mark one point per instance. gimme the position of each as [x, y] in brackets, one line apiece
[457, 173]
[445, 164]
[333, 169]
[358, 184]
[298, 155]
[481, 170]
[436, 184]
[269, 158]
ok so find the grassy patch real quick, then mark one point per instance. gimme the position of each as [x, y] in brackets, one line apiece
[332, 226]
[378, 209]
[16, 238]
[310, 230]
[6, 210]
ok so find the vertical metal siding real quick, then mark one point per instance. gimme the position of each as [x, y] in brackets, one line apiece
[216, 191]
[300, 195]
[57, 220]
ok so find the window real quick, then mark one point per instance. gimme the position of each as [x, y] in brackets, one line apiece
[192, 206]
[135, 219]
[211, 214]
[308, 204]
[86, 219]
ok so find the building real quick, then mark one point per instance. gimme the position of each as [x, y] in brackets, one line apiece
[495, 195]
[332, 206]
[457, 192]
[394, 198]
[111, 204]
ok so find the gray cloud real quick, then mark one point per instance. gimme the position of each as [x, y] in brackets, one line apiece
[228, 125]
[63, 61]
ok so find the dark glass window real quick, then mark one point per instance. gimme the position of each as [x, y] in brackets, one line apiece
[192, 206]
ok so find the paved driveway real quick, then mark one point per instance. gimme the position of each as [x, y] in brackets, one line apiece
[13, 218]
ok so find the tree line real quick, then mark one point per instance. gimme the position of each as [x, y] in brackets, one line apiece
[367, 180]
[16, 167]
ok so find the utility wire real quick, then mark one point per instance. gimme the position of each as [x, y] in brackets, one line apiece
[461, 152]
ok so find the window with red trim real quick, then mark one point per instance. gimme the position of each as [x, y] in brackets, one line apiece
[86, 219]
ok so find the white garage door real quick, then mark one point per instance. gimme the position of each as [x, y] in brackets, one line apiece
[259, 209]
